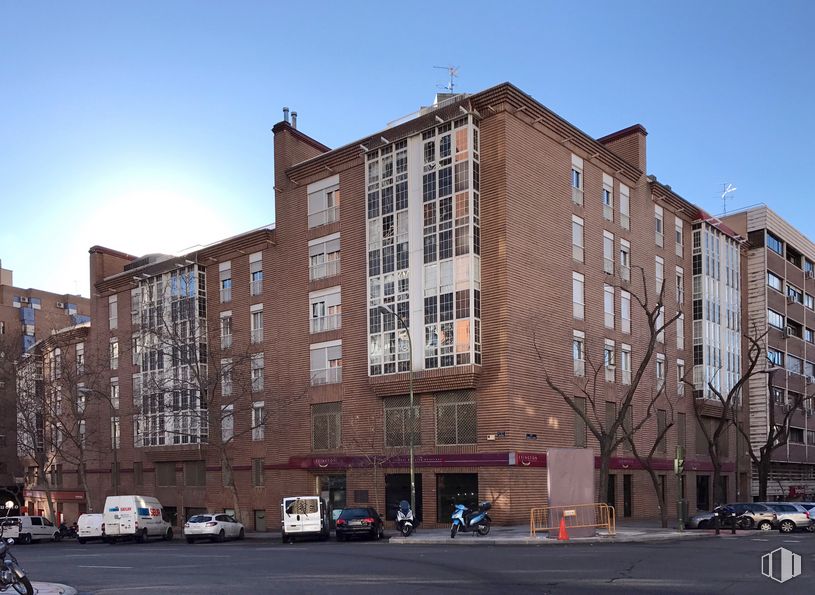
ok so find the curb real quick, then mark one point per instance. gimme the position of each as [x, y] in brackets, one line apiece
[52, 588]
[544, 541]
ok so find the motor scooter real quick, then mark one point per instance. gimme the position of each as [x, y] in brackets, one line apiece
[473, 521]
[11, 575]
[404, 518]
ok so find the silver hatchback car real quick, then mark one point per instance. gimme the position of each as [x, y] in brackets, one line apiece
[791, 516]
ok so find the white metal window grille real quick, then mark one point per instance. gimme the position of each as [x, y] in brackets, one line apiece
[326, 426]
[456, 418]
[401, 422]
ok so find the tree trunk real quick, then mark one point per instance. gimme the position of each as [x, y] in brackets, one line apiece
[50, 502]
[605, 461]
[663, 510]
[718, 496]
[83, 478]
[226, 465]
[763, 477]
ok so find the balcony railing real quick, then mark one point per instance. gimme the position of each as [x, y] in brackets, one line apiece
[577, 252]
[625, 273]
[326, 323]
[579, 367]
[577, 196]
[326, 376]
[608, 266]
[324, 269]
[226, 294]
[256, 287]
[608, 212]
[625, 376]
[324, 217]
[256, 335]
[625, 221]
[226, 341]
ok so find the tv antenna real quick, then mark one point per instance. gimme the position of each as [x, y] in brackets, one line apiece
[452, 72]
[727, 189]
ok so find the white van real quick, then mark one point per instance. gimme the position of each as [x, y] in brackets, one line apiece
[90, 526]
[135, 517]
[304, 516]
[36, 528]
[9, 528]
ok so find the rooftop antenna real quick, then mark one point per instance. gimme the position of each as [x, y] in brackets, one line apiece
[726, 189]
[452, 72]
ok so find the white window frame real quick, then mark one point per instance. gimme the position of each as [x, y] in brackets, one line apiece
[227, 422]
[625, 207]
[659, 226]
[660, 371]
[609, 359]
[625, 260]
[680, 332]
[114, 353]
[680, 374]
[226, 337]
[625, 363]
[659, 273]
[578, 241]
[225, 281]
[256, 273]
[324, 201]
[256, 324]
[578, 296]
[679, 236]
[608, 306]
[113, 311]
[577, 173]
[329, 373]
[680, 286]
[608, 252]
[325, 310]
[257, 369]
[625, 312]
[579, 345]
[608, 197]
[226, 377]
[258, 420]
[320, 265]
[114, 392]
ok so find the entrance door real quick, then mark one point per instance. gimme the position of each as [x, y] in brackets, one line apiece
[260, 520]
[703, 492]
[627, 495]
[332, 490]
[452, 489]
[397, 488]
[611, 494]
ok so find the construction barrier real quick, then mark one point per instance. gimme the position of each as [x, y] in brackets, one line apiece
[549, 518]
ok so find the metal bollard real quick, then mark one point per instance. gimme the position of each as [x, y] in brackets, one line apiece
[732, 524]
[716, 522]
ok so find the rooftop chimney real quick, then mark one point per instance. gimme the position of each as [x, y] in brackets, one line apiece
[294, 120]
[286, 115]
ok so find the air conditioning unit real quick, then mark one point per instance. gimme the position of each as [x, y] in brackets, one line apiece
[23, 300]
[60, 305]
[810, 274]
[810, 379]
[790, 299]
[786, 333]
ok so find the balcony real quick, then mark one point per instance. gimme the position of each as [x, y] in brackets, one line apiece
[326, 323]
[324, 217]
[256, 335]
[579, 367]
[226, 294]
[324, 269]
[256, 287]
[608, 212]
[577, 196]
[226, 341]
[608, 266]
[625, 376]
[625, 221]
[625, 273]
[326, 376]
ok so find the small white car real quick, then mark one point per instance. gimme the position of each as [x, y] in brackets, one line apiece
[215, 527]
[91, 526]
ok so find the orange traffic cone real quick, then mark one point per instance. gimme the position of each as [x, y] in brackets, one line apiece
[562, 534]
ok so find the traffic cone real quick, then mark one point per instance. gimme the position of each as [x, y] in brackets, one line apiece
[562, 535]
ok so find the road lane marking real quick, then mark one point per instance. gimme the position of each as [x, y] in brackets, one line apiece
[112, 567]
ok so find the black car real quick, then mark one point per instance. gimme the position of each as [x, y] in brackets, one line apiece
[359, 521]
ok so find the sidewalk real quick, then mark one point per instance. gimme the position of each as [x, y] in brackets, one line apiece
[52, 589]
[633, 532]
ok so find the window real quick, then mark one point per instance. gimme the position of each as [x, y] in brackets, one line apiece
[794, 294]
[775, 356]
[257, 473]
[608, 252]
[659, 235]
[324, 257]
[577, 238]
[625, 312]
[258, 420]
[579, 352]
[775, 281]
[226, 329]
[227, 422]
[608, 197]
[326, 363]
[80, 358]
[114, 354]
[456, 418]
[577, 180]
[580, 433]
[138, 473]
[165, 474]
[135, 306]
[775, 319]
[625, 260]
[809, 335]
[326, 423]
[625, 363]
[256, 324]
[578, 299]
[809, 301]
[226, 377]
[794, 257]
[660, 324]
[400, 422]
[324, 201]
[113, 314]
[777, 395]
[609, 360]
[608, 306]
[114, 392]
[680, 332]
[326, 310]
[680, 242]
[662, 422]
[195, 473]
[625, 207]
[257, 366]
[256, 273]
[680, 377]
[660, 371]
[797, 435]
[795, 364]
[225, 281]
[680, 287]
[659, 273]
[775, 244]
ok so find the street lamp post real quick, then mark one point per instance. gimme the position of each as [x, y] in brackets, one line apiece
[392, 312]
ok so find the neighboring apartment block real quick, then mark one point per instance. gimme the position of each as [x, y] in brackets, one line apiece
[780, 301]
[507, 241]
[26, 316]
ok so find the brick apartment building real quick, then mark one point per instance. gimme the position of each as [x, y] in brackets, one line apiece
[780, 300]
[26, 316]
[493, 226]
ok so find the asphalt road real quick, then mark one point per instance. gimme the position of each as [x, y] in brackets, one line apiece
[725, 564]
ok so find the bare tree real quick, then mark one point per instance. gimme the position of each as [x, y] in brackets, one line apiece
[604, 425]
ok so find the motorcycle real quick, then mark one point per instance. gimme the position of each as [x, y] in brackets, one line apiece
[11, 575]
[475, 521]
[66, 532]
[404, 518]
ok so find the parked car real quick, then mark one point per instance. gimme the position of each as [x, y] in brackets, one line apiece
[359, 521]
[36, 528]
[703, 519]
[90, 526]
[791, 516]
[215, 527]
[753, 515]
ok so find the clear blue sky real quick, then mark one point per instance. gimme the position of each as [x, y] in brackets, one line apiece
[145, 126]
